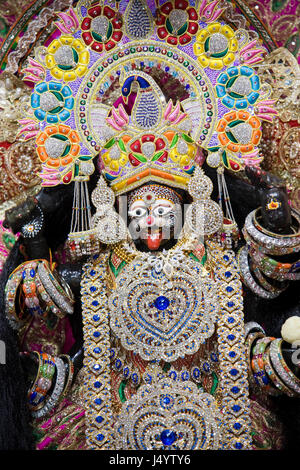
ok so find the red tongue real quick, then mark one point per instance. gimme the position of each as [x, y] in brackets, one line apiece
[153, 240]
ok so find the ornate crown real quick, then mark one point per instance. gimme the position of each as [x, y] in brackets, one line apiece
[145, 96]
[152, 143]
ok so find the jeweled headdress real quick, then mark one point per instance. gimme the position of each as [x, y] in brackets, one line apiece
[145, 85]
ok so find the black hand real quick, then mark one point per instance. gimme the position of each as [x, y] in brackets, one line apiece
[275, 210]
[287, 353]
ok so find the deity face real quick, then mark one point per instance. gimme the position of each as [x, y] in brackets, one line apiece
[154, 212]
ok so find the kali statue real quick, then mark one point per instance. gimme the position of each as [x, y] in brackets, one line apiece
[143, 345]
[156, 322]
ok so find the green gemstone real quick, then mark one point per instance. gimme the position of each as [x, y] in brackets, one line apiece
[169, 54]
[198, 77]
[132, 49]
[115, 56]
[82, 121]
[205, 131]
[209, 113]
[186, 63]
[206, 94]
[89, 84]
[83, 102]
[151, 48]
[100, 68]
[89, 138]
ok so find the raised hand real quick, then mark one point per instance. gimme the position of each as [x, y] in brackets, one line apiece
[275, 209]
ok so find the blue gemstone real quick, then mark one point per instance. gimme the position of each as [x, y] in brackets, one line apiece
[95, 303]
[32, 272]
[118, 364]
[98, 401]
[265, 379]
[237, 426]
[100, 437]
[32, 396]
[232, 354]
[229, 289]
[96, 318]
[99, 419]
[95, 256]
[230, 304]
[134, 378]
[235, 390]
[230, 320]
[238, 445]
[162, 302]
[225, 258]
[227, 274]
[96, 334]
[230, 337]
[23, 274]
[234, 372]
[206, 367]
[97, 350]
[168, 437]
[97, 384]
[93, 288]
[166, 400]
[97, 367]
[236, 408]
[126, 371]
[92, 272]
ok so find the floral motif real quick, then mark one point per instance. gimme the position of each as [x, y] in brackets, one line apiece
[215, 46]
[101, 28]
[238, 87]
[52, 102]
[148, 147]
[67, 58]
[177, 22]
[183, 150]
[57, 146]
[239, 131]
[114, 157]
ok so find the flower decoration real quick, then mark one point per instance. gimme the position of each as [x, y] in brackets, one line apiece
[115, 157]
[238, 87]
[67, 58]
[52, 102]
[210, 11]
[102, 27]
[148, 147]
[177, 22]
[215, 46]
[239, 131]
[58, 146]
[183, 150]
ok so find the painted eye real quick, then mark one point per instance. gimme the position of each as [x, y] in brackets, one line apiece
[125, 89]
[138, 212]
[160, 211]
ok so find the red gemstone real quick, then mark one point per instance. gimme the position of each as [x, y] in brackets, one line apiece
[97, 46]
[117, 35]
[166, 8]
[94, 11]
[192, 14]
[134, 161]
[85, 25]
[109, 12]
[110, 45]
[181, 4]
[87, 37]
[172, 40]
[162, 32]
[185, 39]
